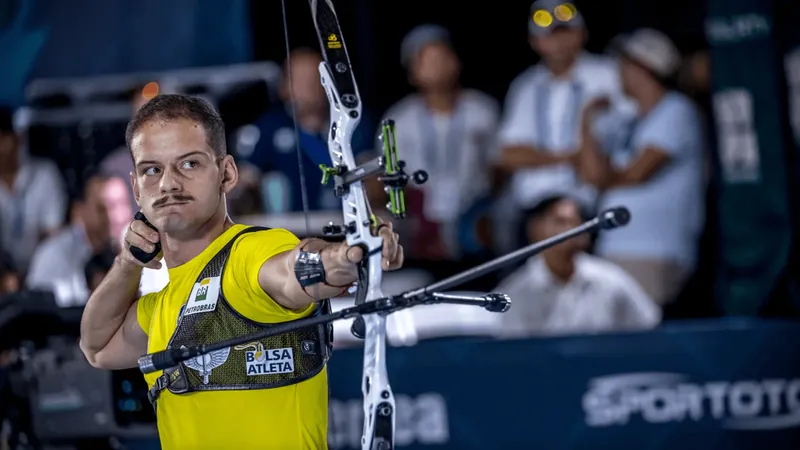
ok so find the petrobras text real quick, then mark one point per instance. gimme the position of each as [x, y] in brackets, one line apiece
[421, 419]
[767, 404]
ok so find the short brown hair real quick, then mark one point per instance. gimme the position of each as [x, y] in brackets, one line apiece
[175, 106]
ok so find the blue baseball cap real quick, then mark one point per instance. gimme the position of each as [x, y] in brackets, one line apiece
[548, 15]
[419, 37]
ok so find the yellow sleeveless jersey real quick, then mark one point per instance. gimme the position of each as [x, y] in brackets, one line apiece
[285, 418]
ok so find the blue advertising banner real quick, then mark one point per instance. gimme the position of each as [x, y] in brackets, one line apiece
[713, 385]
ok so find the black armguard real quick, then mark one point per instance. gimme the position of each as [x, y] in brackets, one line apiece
[308, 268]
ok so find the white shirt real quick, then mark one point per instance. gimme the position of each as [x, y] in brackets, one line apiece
[151, 280]
[454, 149]
[154, 280]
[37, 204]
[599, 297]
[667, 211]
[545, 112]
[58, 266]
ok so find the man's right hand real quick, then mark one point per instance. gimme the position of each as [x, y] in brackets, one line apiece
[141, 236]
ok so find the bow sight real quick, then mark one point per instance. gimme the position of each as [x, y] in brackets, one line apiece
[390, 171]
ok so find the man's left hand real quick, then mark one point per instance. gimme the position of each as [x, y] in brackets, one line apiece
[392, 251]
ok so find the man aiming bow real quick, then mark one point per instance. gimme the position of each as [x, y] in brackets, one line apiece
[226, 280]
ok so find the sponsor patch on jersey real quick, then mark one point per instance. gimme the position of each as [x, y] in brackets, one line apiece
[204, 297]
[260, 361]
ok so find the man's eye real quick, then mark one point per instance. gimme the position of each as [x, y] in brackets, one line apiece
[151, 171]
[189, 164]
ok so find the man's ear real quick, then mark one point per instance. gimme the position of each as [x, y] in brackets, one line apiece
[230, 174]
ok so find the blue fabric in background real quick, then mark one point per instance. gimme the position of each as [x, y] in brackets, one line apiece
[52, 39]
[275, 154]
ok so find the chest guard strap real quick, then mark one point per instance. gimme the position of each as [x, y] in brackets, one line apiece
[268, 363]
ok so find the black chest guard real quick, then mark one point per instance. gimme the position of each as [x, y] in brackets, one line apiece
[272, 362]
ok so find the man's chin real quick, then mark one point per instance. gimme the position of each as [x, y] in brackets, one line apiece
[172, 222]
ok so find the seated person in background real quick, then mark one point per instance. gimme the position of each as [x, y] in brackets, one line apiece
[9, 277]
[271, 166]
[58, 263]
[448, 131]
[119, 207]
[33, 200]
[97, 267]
[652, 163]
[564, 290]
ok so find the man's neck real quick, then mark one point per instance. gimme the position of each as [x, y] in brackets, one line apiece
[562, 69]
[562, 268]
[441, 101]
[179, 250]
[649, 98]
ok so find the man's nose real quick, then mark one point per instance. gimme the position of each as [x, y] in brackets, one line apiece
[170, 181]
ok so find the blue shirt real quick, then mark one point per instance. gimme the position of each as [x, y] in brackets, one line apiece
[276, 155]
[667, 211]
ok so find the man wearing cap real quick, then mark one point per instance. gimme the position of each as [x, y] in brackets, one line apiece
[541, 126]
[33, 199]
[652, 162]
[446, 130]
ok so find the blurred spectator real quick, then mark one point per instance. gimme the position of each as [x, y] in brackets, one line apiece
[694, 77]
[446, 130]
[10, 281]
[120, 210]
[272, 167]
[96, 268]
[653, 165]
[540, 132]
[33, 198]
[564, 290]
[58, 263]
[119, 162]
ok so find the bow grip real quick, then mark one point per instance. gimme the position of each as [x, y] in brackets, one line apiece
[370, 276]
[138, 253]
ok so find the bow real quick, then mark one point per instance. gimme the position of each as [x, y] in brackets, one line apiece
[338, 81]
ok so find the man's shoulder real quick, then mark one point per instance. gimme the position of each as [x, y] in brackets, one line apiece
[598, 268]
[524, 275]
[594, 61]
[42, 167]
[599, 71]
[679, 103]
[262, 237]
[55, 249]
[480, 100]
[676, 108]
[526, 78]
[405, 107]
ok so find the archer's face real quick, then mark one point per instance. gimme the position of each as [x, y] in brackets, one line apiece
[179, 183]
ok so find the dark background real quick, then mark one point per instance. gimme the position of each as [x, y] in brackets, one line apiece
[491, 37]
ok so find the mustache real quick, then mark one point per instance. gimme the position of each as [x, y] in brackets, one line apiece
[172, 199]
